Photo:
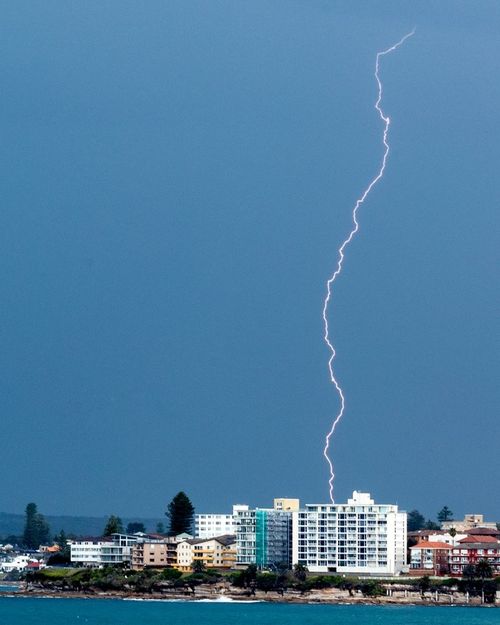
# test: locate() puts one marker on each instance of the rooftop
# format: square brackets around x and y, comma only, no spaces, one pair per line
[426,544]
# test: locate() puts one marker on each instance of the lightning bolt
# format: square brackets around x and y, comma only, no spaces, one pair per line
[329,285]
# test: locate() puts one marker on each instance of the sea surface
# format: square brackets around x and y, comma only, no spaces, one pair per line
[28,611]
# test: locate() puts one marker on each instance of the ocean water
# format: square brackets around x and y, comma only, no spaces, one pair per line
[27,611]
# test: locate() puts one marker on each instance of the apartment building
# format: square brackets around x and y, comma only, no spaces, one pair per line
[212,525]
[472,550]
[102,551]
[286,504]
[430,558]
[470,521]
[156,551]
[264,536]
[357,537]
[216,553]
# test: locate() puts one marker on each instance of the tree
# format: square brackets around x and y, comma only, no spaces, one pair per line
[371,588]
[113,526]
[36,528]
[62,540]
[445,514]
[63,556]
[42,530]
[170,574]
[198,566]
[160,528]
[424,584]
[430,525]
[476,579]
[300,572]
[484,570]
[29,535]
[134,527]
[416,521]
[180,513]
[245,578]
[266,581]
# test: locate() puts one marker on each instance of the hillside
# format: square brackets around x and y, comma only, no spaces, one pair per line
[79,525]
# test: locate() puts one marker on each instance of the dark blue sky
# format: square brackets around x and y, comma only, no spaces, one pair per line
[177,177]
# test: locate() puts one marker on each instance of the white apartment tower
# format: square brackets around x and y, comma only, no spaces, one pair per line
[359,537]
[213,525]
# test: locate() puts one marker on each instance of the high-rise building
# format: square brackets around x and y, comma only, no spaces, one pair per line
[264,536]
[284,503]
[357,537]
[212,525]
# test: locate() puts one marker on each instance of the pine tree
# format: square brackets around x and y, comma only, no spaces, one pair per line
[36,528]
[445,514]
[180,513]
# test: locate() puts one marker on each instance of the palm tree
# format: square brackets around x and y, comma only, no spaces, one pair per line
[484,570]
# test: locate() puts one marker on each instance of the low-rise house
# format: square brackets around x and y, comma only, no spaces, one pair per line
[21,563]
[430,558]
[49,549]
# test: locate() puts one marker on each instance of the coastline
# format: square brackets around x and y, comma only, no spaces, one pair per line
[206,593]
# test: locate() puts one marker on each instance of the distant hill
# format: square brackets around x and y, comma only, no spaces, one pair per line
[13,524]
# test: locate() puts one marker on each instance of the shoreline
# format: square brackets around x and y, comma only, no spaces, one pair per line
[291,597]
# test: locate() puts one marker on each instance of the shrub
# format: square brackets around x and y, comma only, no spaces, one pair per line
[266,581]
[371,588]
[170,575]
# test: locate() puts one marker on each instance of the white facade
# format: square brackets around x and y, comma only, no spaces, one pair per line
[89,551]
[212,525]
[184,555]
[19,563]
[360,537]
[97,552]
[446,537]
